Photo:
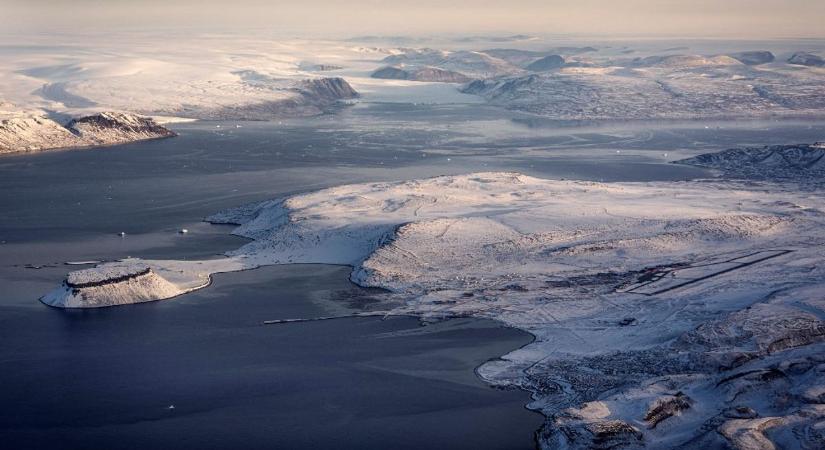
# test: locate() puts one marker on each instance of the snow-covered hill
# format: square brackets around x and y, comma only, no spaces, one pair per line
[117,283]
[32,132]
[429,74]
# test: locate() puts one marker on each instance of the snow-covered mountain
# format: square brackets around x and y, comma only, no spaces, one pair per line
[26,133]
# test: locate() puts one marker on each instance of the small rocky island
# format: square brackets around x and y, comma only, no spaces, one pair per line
[109,285]
[32,132]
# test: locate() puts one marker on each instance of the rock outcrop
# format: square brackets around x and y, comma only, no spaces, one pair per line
[327,89]
[109,128]
[666,407]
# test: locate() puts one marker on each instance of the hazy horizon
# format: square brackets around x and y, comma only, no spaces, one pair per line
[701,18]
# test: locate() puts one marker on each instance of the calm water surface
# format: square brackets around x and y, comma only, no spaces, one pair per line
[109,378]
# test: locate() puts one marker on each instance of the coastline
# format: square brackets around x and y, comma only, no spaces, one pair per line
[440,307]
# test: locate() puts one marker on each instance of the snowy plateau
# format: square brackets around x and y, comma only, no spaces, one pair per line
[665,314]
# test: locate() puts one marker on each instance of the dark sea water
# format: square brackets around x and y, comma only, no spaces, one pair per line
[107,378]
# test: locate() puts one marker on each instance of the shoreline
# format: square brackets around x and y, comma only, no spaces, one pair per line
[29,152]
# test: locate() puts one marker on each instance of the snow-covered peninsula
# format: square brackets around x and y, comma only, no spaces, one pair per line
[666,314]
[33,132]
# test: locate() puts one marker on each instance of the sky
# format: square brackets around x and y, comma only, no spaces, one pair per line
[670,18]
